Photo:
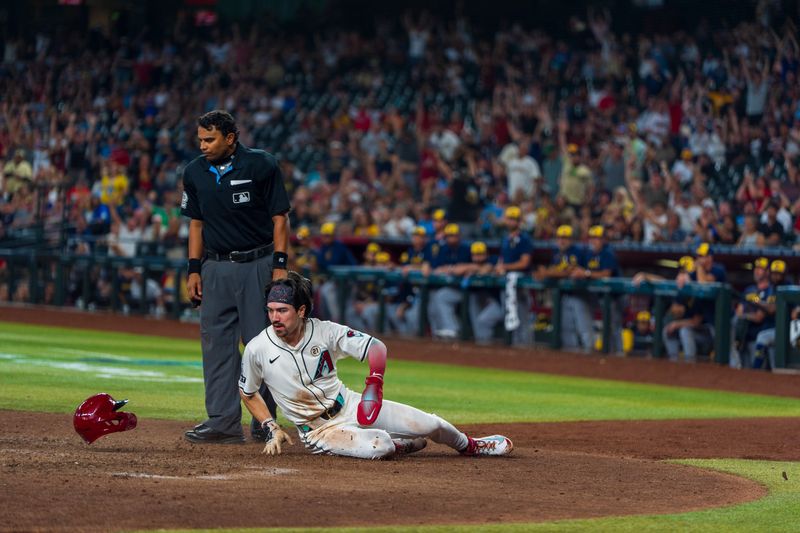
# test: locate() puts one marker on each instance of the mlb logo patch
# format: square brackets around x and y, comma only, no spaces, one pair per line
[241,197]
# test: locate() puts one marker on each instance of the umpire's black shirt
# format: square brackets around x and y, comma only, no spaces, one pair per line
[237,206]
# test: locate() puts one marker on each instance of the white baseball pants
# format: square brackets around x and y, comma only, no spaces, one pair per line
[342,435]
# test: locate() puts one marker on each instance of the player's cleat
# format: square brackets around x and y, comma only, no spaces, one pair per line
[407,446]
[494,445]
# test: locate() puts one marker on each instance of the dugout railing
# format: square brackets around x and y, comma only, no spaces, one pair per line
[47,275]
[59,279]
[604,290]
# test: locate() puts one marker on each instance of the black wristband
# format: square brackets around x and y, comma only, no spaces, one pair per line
[280,260]
[194,266]
[269,426]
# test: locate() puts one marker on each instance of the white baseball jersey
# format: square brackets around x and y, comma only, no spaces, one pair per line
[302,378]
[304,383]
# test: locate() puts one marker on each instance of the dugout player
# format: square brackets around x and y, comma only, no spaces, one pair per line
[601,263]
[692,327]
[332,252]
[405,305]
[516,255]
[238,241]
[485,311]
[752,316]
[576,325]
[296,356]
[765,340]
[444,301]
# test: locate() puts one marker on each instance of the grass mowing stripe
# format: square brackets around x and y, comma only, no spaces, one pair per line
[12,333]
[521,396]
[460,394]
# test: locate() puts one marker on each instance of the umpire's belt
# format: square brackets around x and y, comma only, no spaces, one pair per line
[241,257]
[332,411]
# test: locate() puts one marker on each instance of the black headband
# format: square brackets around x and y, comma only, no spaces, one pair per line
[281,293]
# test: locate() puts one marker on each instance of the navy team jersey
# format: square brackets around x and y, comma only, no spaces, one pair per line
[334,254]
[717,270]
[572,256]
[606,259]
[754,299]
[416,257]
[452,255]
[513,248]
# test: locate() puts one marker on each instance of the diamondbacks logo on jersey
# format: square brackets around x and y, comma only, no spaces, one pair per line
[325,365]
[351,334]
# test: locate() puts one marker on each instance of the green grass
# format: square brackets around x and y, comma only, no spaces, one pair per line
[777,512]
[53,369]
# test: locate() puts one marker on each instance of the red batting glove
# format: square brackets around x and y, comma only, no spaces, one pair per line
[371,400]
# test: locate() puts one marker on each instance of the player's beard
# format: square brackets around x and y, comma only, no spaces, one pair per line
[279,332]
[287,335]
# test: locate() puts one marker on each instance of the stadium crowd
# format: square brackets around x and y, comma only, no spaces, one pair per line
[428,124]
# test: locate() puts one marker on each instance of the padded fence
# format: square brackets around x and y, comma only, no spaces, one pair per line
[63,279]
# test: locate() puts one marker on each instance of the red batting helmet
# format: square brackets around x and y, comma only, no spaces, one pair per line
[98,416]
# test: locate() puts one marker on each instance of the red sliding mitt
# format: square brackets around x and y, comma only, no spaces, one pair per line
[371,400]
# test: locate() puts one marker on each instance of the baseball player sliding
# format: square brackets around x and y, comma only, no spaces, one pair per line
[296,357]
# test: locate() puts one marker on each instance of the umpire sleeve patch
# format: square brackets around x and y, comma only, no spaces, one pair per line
[184,200]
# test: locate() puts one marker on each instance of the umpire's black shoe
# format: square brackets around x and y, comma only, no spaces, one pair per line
[257,432]
[202,434]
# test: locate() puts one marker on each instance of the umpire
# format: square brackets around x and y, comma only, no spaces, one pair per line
[238,239]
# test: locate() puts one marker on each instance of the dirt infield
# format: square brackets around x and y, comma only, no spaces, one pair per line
[151,478]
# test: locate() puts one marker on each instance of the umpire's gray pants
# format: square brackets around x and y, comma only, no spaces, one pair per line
[577,329]
[232,309]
